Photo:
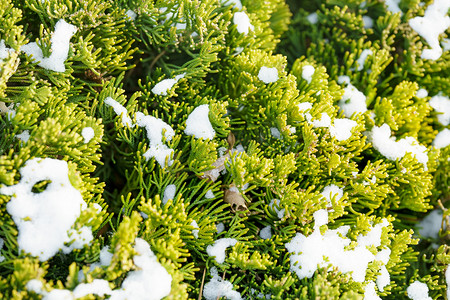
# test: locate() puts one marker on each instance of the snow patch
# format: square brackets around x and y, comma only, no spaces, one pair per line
[119,110]
[430,225]
[217,287]
[131,15]
[274,205]
[442,139]
[169,193]
[353,101]
[422,93]
[308,72]
[209,194]
[431,25]
[392,6]
[418,291]
[219,247]
[195,231]
[24,136]
[164,86]
[341,129]
[268,75]
[441,105]
[331,191]
[198,123]
[220,227]
[368,22]
[362,58]
[266,233]
[87,133]
[43,231]
[59,48]
[313,18]
[242,22]
[275,132]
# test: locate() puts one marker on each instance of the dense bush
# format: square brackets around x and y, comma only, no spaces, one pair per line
[187,149]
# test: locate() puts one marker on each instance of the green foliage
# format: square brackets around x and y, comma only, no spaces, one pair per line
[276,148]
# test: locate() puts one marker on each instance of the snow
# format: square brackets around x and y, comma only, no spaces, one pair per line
[242,22]
[131,14]
[119,110]
[441,105]
[220,227]
[331,191]
[4,52]
[2,243]
[156,128]
[59,48]
[383,279]
[274,205]
[150,281]
[268,75]
[219,247]
[24,136]
[217,287]
[324,121]
[391,149]
[392,6]
[313,18]
[370,293]
[275,132]
[198,123]
[44,219]
[304,106]
[445,44]
[362,58]
[431,25]
[430,225]
[341,128]
[266,233]
[98,287]
[308,72]
[169,193]
[35,285]
[87,133]
[58,294]
[162,87]
[209,194]
[343,79]
[307,253]
[368,22]
[353,101]
[195,231]
[442,139]
[418,291]
[422,93]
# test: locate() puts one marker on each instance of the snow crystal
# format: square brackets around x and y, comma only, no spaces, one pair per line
[313,18]
[418,291]
[198,123]
[242,22]
[59,48]
[353,101]
[308,72]
[24,136]
[307,253]
[362,58]
[155,129]
[219,247]
[430,225]
[266,233]
[431,25]
[98,287]
[368,22]
[441,105]
[43,231]
[87,133]
[169,193]
[220,227]
[131,14]
[217,287]
[442,139]
[119,110]
[274,205]
[422,93]
[4,52]
[341,128]
[268,75]
[195,231]
[162,87]
[331,191]
[209,194]
[392,6]
[392,149]
[275,132]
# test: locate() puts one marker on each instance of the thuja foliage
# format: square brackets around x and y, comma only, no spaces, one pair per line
[268,165]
